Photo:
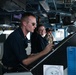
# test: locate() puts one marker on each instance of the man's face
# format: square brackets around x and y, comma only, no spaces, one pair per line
[31,24]
[42,31]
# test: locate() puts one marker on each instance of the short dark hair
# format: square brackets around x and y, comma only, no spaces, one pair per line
[27,14]
[48,29]
[38,26]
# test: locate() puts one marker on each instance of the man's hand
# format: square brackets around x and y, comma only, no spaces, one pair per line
[47,49]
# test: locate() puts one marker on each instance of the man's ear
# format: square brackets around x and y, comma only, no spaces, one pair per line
[24,23]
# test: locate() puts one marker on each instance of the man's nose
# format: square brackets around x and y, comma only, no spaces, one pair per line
[35,26]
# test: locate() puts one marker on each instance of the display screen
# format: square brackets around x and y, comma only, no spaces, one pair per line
[59,35]
[16,17]
[66,20]
[54,19]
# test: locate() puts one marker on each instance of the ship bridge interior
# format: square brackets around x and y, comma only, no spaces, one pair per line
[59,15]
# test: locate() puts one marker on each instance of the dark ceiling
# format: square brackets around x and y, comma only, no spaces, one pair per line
[39,7]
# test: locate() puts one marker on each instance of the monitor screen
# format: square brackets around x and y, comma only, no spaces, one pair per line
[54,19]
[16,17]
[67,20]
[58,35]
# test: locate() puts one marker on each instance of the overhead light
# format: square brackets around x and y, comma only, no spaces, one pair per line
[63,13]
[52,24]
[13,5]
[20,3]
[75,23]
[45,5]
[45,15]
